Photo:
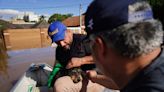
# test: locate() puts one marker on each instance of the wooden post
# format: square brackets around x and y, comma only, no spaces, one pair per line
[42,37]
[7,39]
[3,54]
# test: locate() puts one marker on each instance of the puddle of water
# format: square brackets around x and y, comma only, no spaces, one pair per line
[12,69]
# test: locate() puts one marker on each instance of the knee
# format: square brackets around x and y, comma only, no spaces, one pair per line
[62,84]
[65,84]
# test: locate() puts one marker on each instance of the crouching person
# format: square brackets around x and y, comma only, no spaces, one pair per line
[71,52]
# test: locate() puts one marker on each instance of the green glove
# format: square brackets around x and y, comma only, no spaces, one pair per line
[56,68]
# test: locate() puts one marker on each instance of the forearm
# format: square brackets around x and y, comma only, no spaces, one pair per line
[76,61]
[105,81]
[87,60]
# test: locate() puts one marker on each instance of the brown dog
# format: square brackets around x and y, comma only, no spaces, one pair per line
[76,74]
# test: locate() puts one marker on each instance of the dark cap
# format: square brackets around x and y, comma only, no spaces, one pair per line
[105,15]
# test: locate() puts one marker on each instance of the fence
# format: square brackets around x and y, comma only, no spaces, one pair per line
[16,39]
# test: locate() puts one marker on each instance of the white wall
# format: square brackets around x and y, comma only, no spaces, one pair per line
[33,17]
[76,30]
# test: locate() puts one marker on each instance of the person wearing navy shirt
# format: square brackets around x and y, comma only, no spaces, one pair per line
[149,79]
[126,44]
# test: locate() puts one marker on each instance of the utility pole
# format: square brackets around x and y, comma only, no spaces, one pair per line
[80,11]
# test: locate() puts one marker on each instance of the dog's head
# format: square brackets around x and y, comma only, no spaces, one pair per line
[75,74]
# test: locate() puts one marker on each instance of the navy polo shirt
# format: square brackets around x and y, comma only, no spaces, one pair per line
[151,79]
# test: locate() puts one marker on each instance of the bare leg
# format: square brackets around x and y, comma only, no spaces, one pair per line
[65,84]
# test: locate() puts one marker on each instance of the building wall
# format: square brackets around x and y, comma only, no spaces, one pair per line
[17,39]
[76,30]
[33,18]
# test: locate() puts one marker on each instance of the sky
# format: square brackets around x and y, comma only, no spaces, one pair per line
[9,8]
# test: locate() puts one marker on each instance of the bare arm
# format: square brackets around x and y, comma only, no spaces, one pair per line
[87,60]
[76,62]
[102,80]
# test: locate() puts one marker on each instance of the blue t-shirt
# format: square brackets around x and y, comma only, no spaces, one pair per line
[151,79]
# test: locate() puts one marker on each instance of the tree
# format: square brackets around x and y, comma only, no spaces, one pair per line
[156,2]
[59,17]
[42,18]
[3,26]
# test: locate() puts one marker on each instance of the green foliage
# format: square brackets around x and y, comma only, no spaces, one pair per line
[42,18]
[158,3]
[158,8]
[59,17]
[2,26]
[5,25]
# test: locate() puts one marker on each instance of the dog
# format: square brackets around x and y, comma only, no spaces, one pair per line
[76,74]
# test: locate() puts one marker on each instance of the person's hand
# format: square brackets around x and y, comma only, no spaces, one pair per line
[92,75]
[74,62]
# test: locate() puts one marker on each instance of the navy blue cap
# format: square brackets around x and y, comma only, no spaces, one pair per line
[105,15]
[56,31]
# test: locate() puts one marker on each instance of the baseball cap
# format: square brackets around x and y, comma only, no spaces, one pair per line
[103,15]
[56,31]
